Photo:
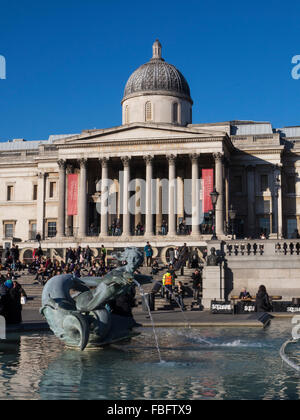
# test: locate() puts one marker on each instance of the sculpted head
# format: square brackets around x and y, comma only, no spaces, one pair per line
[133,256]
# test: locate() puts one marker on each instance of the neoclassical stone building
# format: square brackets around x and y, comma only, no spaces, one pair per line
[51,187]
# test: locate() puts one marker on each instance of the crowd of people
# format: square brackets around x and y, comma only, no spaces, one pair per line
[81,262]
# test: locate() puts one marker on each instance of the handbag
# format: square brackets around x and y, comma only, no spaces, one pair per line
[23,300]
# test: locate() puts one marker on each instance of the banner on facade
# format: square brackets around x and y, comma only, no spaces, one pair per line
[72,194]
[208,186]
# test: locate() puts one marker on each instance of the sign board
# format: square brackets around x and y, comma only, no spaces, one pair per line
[221,307]
[72,194]
[245,307]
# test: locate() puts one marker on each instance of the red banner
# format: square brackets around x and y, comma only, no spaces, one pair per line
[72,194]
[208,186]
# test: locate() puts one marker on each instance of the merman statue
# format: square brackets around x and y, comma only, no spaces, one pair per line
[84,319]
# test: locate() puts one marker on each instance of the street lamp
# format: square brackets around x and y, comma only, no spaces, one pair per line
[232,216]
[214,198]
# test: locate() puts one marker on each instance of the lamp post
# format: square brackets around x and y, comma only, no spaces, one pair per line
[232,216]
[214,198]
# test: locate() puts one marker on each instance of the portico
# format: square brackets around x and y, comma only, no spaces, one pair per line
[177,174]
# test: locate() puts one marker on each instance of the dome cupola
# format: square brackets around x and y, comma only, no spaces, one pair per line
[156,92]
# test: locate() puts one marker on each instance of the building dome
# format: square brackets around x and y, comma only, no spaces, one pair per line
[157,78]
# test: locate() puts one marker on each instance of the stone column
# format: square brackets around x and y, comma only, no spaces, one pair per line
[195,194]
[61,220]
[219,187]
[251,200]
[180,194]
[70,219]
[278,195]
[41,204]
[104,197]
[126,180]
[82,208]
[172,215]
[227,178]
[139,201]
[158,203]
[149,215]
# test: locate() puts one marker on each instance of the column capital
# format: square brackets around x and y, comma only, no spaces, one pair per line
[218,156]
[126,161]
[61,163]
[148,159]
[278,167]
[42,175]
[69,168]
[194,157]
[250,168]
[171,159]
[104,161]
[83,162]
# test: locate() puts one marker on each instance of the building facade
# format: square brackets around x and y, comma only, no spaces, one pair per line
[53,187]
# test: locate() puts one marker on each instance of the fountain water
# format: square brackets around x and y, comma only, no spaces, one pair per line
[178,303]
[151,318]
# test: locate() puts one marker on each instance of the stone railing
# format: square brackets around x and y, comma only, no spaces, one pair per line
[240,248]
[267,247]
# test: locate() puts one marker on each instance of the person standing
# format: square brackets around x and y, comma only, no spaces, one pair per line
[197,283]
[88,256]
[181,292]
[263,303]
[149,253]
[168,284]
[103,254]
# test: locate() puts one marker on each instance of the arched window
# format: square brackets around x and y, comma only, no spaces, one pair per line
[175,113]
[126,116]
[148,111]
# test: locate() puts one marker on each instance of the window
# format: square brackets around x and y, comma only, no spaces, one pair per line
[175,113]
[51,229]
[237,184]
[52,189]
[264,182]
[32,230]
[292,228]
[9,230]
[148,111]
[291,184]
[34,192]
[10,192]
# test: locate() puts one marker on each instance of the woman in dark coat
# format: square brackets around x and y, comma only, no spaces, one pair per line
[14,315]
[3,300]
[263,303]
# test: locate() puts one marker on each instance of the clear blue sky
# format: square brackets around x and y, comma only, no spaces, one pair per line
[68,61]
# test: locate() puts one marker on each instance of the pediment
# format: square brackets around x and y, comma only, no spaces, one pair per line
[138,131]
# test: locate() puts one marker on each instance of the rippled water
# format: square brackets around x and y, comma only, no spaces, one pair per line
[229,364]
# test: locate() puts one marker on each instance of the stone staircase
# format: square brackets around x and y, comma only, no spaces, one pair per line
[160,303]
